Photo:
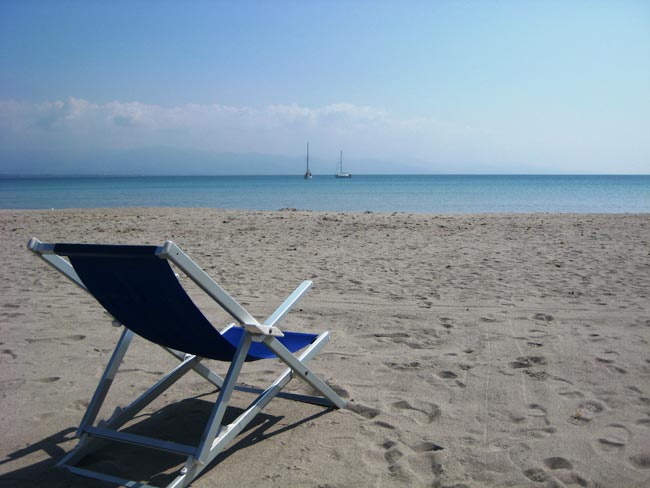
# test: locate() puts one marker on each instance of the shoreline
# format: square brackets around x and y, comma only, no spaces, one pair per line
[516,342]
[308,211]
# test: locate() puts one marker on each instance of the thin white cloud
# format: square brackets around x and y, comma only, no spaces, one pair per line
[275,128]
[361,131]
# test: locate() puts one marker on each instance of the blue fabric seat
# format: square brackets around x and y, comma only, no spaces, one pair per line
[141,291]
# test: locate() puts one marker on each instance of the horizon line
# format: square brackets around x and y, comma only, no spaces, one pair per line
[298,175]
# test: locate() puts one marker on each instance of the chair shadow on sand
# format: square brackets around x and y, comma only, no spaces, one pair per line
[182,421]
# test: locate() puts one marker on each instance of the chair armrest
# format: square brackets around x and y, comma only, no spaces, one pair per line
[288,304]
[46,253]
[263,330]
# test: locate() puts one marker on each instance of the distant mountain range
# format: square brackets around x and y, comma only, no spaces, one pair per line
[166,161]
[175,161]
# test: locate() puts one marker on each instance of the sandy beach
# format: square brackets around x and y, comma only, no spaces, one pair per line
[473,350]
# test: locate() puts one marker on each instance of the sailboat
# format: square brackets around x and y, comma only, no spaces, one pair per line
[339,169]
[308,173]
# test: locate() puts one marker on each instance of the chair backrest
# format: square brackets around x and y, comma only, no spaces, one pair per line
[141,291]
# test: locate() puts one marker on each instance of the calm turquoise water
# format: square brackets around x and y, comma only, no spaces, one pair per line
[424,194]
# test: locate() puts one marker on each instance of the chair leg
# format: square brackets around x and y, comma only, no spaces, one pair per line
[200,369]
[208,446]
[88,443]
[106,380]
[215,422]
[193,467]
[209,375]
[302,370]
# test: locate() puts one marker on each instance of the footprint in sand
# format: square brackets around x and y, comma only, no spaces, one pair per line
[76,337]
[78,405]
[528,361]
[536,410]
[403,366]
[363,410]
[43,416]
[569,393]
[340,391]
[586,412]
[447,375]
[450,375]
[406,461]
[9,385]
[607,357]
[489,318]
[640,461]
[423,344]
[643,422]
[446,322]
[391,335]
[49,379]
[538,433]
[426,446]
[643,322]
[538,335]
[392,452]
[539,420]
[9,352]
[12,315]
[616,369]
[557,463]
[536,474]
[542,317]
[536,375]
[613,438]
[384,425]
[422,412]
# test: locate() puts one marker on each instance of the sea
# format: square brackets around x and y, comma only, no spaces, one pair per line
[440,194]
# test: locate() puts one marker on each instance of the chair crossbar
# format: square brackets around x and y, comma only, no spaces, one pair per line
[88,473]
[229,432]
[151,394]
[140,440]
[301,369]
[205,372]
[288,304]
[267,395]
[314,400]
[200,369]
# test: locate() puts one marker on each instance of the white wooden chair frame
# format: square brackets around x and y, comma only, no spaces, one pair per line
[216,436]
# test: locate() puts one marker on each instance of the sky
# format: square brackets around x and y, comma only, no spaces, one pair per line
[420,86]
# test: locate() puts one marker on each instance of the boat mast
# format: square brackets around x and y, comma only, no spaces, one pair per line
[307,173]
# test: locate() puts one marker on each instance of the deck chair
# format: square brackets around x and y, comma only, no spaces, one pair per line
[139,288]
